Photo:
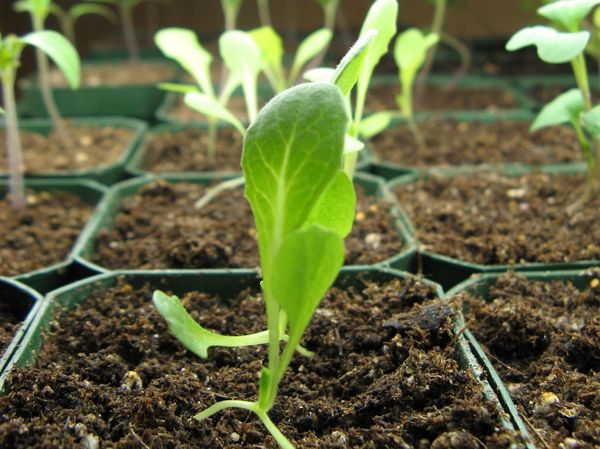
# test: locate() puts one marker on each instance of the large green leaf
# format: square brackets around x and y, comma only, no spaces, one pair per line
[210,107]
[563,109]
[183,46]
[336,207]
[310,47]
[568,13]
[59,50]
[348,70]
[553,46]
[305,266]
[291,154]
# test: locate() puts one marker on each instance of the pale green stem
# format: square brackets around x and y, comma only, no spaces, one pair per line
[283,442]
[351,159]
[465,57]
[68,27]
[215,191]
[212,138]
[263,12]
[274,355]
[329,12]
[436,27]
[230,15]
[13,141]
[129,33]
[48,97]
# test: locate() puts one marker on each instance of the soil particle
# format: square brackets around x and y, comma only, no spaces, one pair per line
[91,147]
[159,227]
[125,73]
[440,98]
[185,151]
[42,233]
[545,341]
[9,322]
[450,142]
[367,387]
[488,218]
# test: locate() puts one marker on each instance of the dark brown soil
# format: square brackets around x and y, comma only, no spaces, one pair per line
[180,112]
[160,228]
[41,234]
[8,324]
[545,341]
[491,219]
[185,151]
[123,74]
[440,98]
[450,142]
[91,147]
[385,376]
[544,94]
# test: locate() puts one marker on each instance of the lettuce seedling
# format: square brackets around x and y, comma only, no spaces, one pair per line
[39,11]
[242,58]
[67,18]
[64,55]
[330,8]
[271,54]
[560,42]
[303,205]
[231,10]
[264,12]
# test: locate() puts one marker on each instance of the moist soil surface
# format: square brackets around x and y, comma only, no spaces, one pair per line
[184,151]
[488,218]
[542,95]
[544,339]
[159,227]
[42,233]
[440,98]
[124,73]
[89,147]
[384,376]
[451,142]
[9,322]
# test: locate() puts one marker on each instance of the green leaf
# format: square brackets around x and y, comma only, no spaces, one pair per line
[308,49]
[243,59]
[37,8]
[178,88]
[193,336]
[568,13]
[319,74]
[304,268]
[352,145]
[591,121]
[59,50]
[83,9]
[411,49]
[374,124]
[270,45]
[335,208]
[291,154]
[563,109]
[212,108]
[382,16]
[183,46]
[348,70]
[553,46]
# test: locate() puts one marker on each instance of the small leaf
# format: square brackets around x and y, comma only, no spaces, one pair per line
[568,13]
[553,46]
[304,268]
[183,46]
[591,121]
[270,45]
[212,108]
[411,49]
[319,74]
[374,124]
[335,208]
[60,50]
[83,9]
[352,145]
[179,88]
[349,69]
[563,109]
[308,49]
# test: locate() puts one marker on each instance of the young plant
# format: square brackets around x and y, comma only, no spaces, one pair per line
[271,54]
[264,12]
[330,8]
[231,10]
[39,11]
[410,52]
[242,59]
[64,55]
[565,41]
[69,17]
[303,204]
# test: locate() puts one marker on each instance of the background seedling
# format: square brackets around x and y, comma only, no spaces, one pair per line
[292,165]
[64,55]
[563,42]
[264,13]
[231,10]
[67,18]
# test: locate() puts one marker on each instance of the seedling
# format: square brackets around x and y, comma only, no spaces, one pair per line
[64,55]
[231,10]
[264,12]
[564,41]
[271,54]
[125,9]
[303,204]
[39,11]
[69,17]
[242,58]
[330,8]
